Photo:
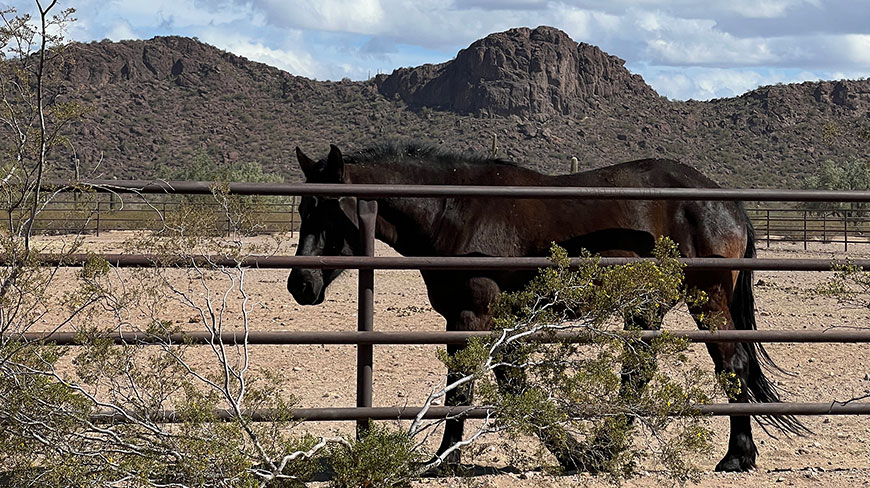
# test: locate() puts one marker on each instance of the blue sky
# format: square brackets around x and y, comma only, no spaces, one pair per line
[685,49]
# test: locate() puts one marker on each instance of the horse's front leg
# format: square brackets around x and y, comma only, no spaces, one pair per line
[470,299]
[462,395]
[454,427]
[511,380]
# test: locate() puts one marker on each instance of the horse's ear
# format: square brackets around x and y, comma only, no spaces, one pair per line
[308,165]
[348,207]
[334,165]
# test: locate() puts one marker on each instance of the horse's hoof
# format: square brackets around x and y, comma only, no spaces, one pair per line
[736,464]
[570,465]
[446,468]
[595,459]
[592,462]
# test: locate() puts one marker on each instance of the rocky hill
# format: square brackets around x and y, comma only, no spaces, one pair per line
[520,72]
[159,103]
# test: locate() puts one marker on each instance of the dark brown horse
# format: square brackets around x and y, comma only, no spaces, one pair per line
[527,227]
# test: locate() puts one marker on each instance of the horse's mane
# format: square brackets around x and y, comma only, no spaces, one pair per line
[415,153]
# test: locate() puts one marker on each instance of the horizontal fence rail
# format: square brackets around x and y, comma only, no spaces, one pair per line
[411,413]
[116,213]
[842,335]
[433,262]
[540,192]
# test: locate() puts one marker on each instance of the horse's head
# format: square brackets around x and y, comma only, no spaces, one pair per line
[329,228]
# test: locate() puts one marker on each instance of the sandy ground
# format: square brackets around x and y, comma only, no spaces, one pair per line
[836,454]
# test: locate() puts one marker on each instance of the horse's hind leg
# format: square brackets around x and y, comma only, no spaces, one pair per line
[568,451]
[564,447]
[637,372]
[732,360]
[636,376]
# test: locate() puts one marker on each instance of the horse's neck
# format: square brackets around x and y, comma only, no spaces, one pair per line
[408,225]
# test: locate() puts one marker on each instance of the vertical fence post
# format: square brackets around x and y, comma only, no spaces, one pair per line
[367,212]
[98,218]
[805,230]
[845,232]
[768,228]
[824,227]
[293,207]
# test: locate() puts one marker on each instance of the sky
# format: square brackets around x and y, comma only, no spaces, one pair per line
[699,49]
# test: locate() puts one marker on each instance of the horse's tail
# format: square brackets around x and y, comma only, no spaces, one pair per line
[743,313]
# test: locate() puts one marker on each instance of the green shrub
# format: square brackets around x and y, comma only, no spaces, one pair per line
[382,458]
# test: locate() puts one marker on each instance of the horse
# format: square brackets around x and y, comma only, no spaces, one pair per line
[527,227]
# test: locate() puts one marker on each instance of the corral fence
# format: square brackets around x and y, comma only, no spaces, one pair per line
[107,211]
[793,224]
[366,338]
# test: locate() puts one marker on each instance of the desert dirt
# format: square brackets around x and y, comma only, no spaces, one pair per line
[837,453]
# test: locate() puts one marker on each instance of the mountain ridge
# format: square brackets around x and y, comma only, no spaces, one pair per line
[158,103]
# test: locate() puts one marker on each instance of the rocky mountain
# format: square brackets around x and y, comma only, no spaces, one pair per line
[520,72]
[159,103]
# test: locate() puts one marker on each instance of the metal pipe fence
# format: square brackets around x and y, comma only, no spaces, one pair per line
[420,191]
[845,227]
[143,205]
[364,414]
[110,212]
[430,262]
[366,337]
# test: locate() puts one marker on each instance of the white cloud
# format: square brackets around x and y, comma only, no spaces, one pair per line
[704,83]
[500,4]
[857,48]
[651,22]
[296,61]
[176,13]
[677,41]
[120,31]
[709,83]
[760,8]
[728,52]
[358,16]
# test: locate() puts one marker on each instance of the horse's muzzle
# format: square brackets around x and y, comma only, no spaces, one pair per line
[305,286]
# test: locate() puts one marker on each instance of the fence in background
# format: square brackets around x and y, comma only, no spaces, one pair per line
[781,223]
[110,211]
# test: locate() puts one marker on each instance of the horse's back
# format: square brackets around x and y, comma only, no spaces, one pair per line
[645,173]
[524,227]
[700,227]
